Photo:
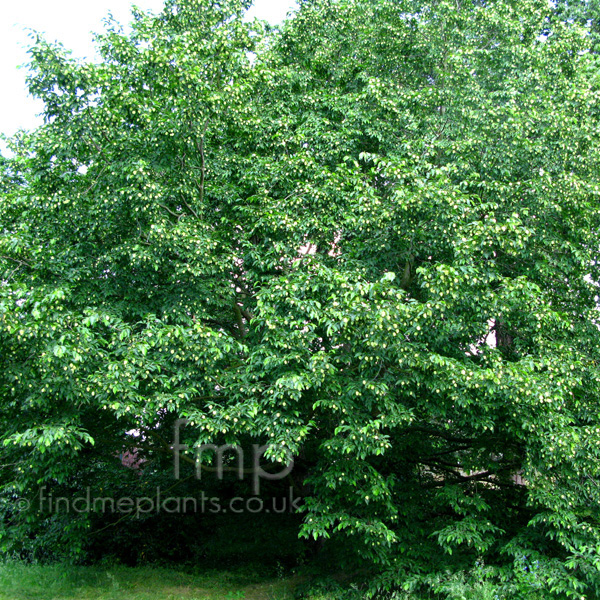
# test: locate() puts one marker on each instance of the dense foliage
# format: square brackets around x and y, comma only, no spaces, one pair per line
[585,13]
[368,238]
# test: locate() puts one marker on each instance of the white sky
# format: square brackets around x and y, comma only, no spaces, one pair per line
[72,23]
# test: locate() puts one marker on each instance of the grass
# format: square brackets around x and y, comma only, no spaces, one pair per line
[34,582]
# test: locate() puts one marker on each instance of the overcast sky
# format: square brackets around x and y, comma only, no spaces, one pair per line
[71,22]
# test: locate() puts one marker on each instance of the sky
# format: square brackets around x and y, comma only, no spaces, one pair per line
[71,22]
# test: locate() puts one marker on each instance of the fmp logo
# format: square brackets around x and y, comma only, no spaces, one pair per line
[257,472]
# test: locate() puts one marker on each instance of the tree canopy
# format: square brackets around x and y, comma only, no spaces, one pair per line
[368,238]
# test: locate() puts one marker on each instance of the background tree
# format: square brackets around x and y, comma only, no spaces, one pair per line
[370,238]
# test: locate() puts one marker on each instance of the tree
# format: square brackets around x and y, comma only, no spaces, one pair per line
[369,238]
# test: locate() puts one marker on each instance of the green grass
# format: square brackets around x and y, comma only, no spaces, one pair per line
[33,582]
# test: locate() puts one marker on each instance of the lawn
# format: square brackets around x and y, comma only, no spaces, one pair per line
[34,582]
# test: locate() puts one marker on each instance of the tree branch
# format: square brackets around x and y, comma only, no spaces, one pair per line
[240,320]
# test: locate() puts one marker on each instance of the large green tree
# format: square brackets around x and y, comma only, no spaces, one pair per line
[368,238]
